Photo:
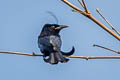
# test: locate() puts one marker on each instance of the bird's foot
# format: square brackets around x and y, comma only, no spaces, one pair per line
[45,58]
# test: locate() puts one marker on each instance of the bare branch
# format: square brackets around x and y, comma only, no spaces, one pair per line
[106,48]
[107,21]
[95,57]
[81,3]
[75,8]
[81,57]
[85,7]
[92,18]
[20,53]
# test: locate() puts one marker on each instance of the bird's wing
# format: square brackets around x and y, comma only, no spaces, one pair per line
[49,42]
[44,43]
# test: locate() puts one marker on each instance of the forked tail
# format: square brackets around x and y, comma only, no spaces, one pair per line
[69,53]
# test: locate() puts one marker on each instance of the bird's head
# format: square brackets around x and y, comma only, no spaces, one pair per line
[53,28]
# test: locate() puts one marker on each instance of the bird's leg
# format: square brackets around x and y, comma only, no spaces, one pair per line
[54,46]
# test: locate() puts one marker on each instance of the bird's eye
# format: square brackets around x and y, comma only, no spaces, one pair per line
[53,26]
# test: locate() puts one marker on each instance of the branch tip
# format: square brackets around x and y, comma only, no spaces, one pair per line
[73,10]
[107,21]
[107,48]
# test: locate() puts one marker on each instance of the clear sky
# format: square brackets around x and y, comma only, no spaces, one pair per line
[21,22]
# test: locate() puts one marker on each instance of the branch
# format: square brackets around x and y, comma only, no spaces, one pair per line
[85,7]
[81,57]
[107,21]
[88,15]
[95,57]
[20,53]
[81,3]
[75,8]
[106,48]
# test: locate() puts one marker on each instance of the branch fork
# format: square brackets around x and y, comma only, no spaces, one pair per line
[88,15]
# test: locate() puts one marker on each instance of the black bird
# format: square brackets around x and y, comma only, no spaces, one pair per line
[49,42]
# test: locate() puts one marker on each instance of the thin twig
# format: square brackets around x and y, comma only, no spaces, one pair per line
[85,7]
[106,48]
[75,8]
[95,57]
[92,18]
[107,21]
[20,53]
[81,3]
[81,57]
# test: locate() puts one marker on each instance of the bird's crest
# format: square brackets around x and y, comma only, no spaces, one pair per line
[53,15]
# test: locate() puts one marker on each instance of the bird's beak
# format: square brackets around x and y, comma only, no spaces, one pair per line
[61,27]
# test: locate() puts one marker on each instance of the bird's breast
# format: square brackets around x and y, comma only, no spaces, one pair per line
[56,40]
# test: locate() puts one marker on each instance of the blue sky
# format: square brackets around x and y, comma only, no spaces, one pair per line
[21,22]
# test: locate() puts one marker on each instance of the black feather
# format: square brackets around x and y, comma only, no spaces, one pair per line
[49,42]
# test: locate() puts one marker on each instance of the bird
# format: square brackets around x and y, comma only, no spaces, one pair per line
[49,42]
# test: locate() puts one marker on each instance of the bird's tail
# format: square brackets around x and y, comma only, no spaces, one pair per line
[69,53]
[56,57]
